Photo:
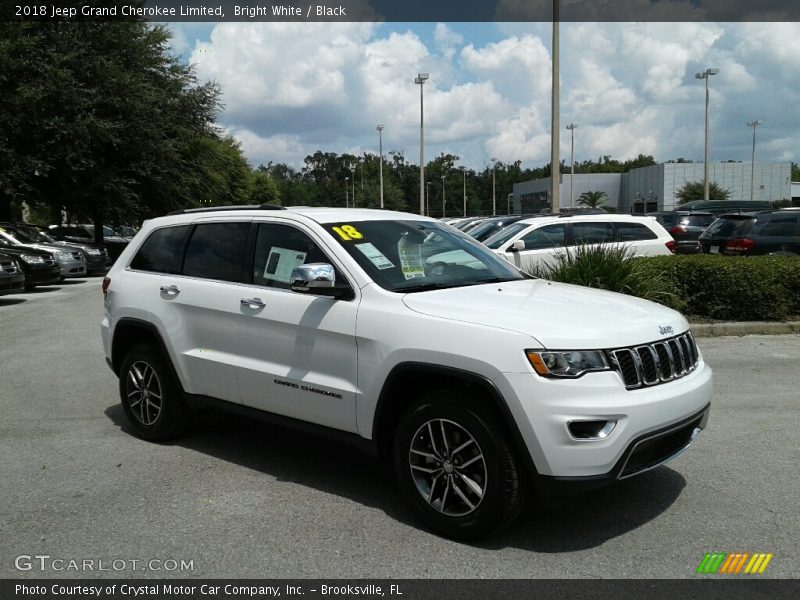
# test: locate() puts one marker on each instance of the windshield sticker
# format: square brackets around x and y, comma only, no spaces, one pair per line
[375,256]
[280,263]
[410,259]
[348,232]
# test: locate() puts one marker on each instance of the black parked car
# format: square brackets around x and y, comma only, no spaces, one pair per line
[765,232]
[84,234]
[685,227]
[12,279]
[96,257]
[40,267]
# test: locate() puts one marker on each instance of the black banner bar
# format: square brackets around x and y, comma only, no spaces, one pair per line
[401,10]
[705,588]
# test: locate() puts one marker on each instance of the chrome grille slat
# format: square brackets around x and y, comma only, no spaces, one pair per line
[657,362]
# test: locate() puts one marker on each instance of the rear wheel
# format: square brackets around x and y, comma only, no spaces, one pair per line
[150,395]
[456,467]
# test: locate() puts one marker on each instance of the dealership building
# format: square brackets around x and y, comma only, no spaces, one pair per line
[647,189]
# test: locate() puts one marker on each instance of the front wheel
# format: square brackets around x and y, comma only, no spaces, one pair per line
[150,395]
[456,466]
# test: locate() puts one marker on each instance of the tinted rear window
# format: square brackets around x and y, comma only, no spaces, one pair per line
[215,251]
[776,226]
[629,232]
[728,227]
[162,250]
[697,220]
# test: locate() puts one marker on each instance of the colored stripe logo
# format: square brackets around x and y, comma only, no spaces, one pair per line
[734,563]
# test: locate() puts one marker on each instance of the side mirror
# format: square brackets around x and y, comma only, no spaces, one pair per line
[517,246]
[318,278]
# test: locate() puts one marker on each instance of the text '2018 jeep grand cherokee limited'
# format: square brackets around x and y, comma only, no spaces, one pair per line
[403,334]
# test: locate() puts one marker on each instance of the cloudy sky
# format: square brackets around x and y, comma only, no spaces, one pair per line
[293,88]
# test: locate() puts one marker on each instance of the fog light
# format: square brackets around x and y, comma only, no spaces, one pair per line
[591,430]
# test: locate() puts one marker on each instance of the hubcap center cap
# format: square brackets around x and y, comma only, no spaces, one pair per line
[448,467]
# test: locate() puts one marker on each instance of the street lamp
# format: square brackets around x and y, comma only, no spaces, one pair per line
[420,80]
[572,127]
[346,190]
[464,173]
[555,137]
[379,128]
[753,124]
[353,171]
[705,75]
[443,200]
[428,204]
[494,201]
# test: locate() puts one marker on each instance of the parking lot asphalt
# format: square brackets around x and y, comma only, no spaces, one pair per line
[244,499]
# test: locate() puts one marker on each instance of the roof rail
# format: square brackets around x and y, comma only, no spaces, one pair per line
[184,211]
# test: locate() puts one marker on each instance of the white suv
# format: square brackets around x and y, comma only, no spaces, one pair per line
[406,336]
[537,241]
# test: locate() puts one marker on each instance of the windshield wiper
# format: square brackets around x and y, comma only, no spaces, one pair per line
[426,287]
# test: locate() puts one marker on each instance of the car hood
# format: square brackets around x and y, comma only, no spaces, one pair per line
[558,315]
[23,249]
[53,248]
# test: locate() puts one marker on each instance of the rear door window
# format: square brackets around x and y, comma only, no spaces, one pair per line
[162,250]
[215,251]
[728,227]
[631,232]
[776,226]
[592,232]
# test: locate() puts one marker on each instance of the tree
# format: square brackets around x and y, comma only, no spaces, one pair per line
[593,199]
[693,190]
[263,189]
[102,120]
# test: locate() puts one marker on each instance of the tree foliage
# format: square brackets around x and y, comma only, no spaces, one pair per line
[694,190]
[100,119]
[593,199]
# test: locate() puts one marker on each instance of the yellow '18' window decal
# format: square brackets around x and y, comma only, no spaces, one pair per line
[348,232]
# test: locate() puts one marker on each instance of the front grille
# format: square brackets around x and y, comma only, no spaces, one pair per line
[8,266]
[653,451]
[77,255]
[655,363]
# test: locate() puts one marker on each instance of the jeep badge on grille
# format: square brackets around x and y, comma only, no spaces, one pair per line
[665,330]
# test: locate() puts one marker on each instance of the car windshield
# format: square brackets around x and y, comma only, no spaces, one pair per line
[501,237]
[13,236]
[415,256]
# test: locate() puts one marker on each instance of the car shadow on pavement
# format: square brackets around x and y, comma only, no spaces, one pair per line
[73,281]
[44,289]
[11,301]
[578,523]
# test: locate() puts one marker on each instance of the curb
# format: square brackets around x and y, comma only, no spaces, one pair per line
[744,328]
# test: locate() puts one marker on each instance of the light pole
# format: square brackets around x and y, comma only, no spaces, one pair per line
[494,200]
[753,124]
[346,191]
[428,202]
[555,134]
[353,171]
[420,80]
[443,199]
[380,151]
[464,173]
[572,128]
[705,75]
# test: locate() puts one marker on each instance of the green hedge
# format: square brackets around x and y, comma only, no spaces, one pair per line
[730,288]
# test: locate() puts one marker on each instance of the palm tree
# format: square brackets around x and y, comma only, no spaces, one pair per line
[593,199]
[693,190]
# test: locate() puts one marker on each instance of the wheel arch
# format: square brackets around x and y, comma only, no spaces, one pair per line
[128,333]
[408,380]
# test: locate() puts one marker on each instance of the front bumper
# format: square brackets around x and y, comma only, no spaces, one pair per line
[72,267]
[12,284]
[95,263]
[47,275]
[644,453]
[544,409]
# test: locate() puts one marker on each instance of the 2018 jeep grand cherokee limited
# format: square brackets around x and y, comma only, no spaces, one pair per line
[397,331]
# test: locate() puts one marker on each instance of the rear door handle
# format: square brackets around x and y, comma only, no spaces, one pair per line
[170,289]
[253,302]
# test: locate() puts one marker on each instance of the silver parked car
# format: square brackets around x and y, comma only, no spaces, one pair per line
[70,260]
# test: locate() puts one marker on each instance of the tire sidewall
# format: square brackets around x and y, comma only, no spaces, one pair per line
[172,408]
[481,425]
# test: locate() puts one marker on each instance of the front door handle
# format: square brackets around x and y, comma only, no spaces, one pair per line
[253,302]
[172,290]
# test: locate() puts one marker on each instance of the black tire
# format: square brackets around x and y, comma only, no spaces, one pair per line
[501,478]
[145,370]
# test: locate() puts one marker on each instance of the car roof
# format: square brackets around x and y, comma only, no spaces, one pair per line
[547,219]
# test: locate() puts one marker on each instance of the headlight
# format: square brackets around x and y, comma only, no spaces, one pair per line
[32,259]
[567,363]
[63,255]
[93,251]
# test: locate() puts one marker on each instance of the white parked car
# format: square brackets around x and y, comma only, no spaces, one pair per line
[535,242]
[405,336]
